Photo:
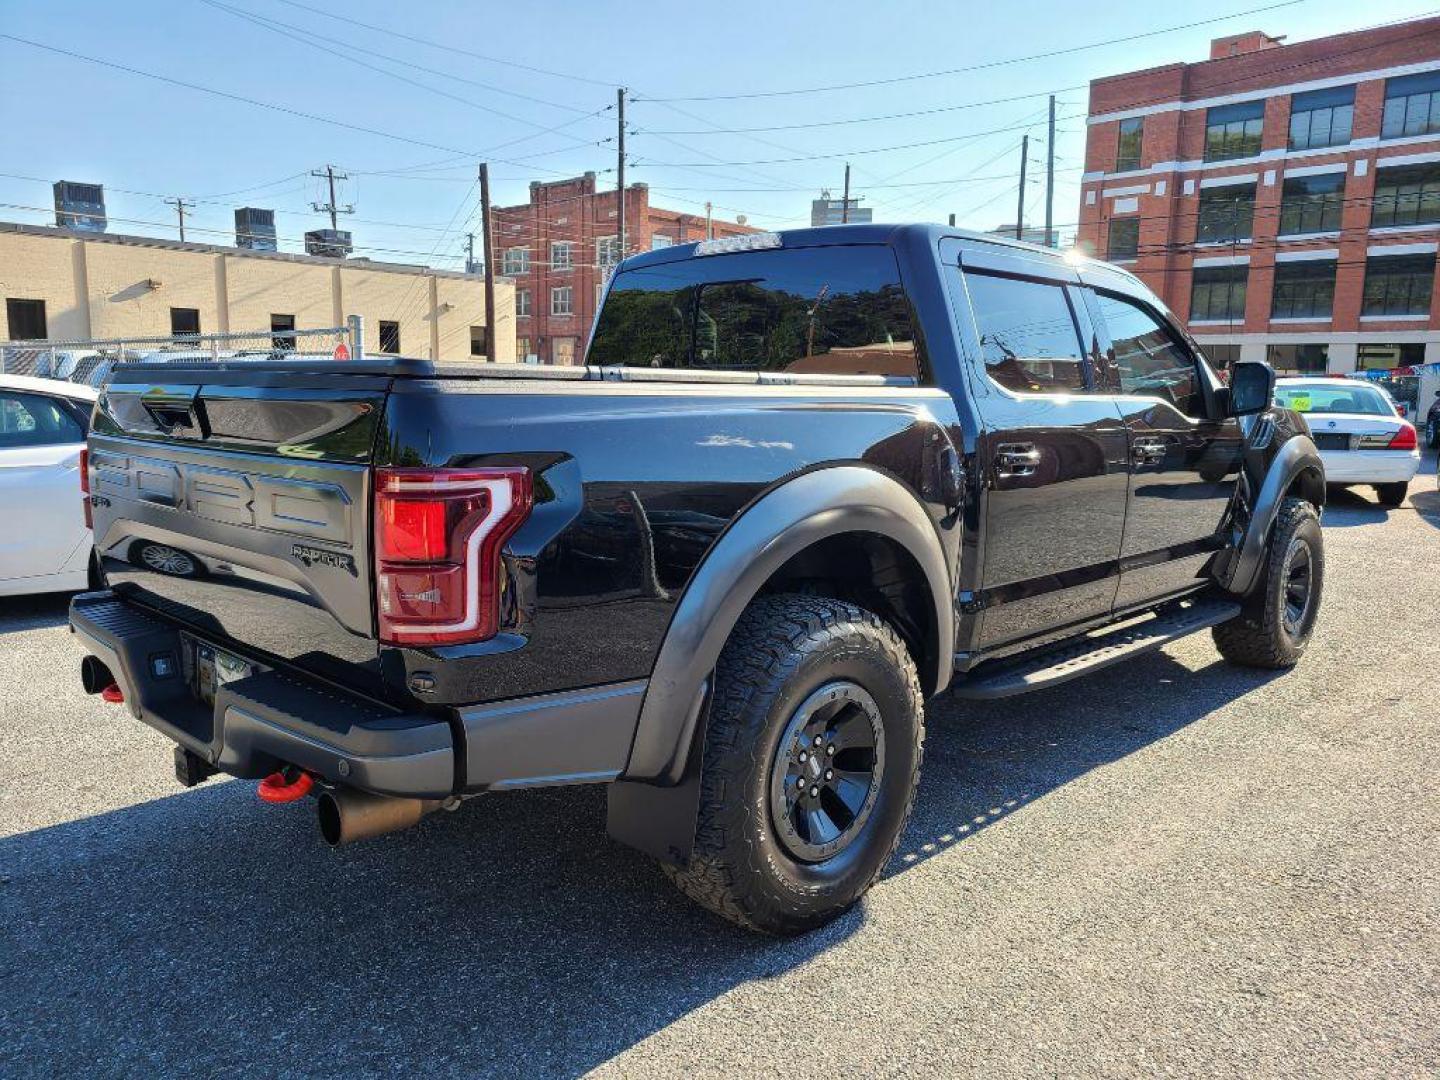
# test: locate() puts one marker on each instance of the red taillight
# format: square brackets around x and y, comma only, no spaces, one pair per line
[1404,438]
[85,485]
[438,537]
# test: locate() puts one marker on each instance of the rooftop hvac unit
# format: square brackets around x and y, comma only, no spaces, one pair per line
[80,206]
[332,243]
[255,229]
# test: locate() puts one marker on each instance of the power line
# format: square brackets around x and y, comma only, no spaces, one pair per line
[976,67]
[862,119]
[225,94]
[291,31]
[389,32]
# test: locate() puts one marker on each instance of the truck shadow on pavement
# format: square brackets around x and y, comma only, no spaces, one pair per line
[206,931]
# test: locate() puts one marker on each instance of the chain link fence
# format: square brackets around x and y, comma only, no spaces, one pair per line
[91,361]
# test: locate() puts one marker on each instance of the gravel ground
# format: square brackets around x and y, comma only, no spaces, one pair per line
[1171,866]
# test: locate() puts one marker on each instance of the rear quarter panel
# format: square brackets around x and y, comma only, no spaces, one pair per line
[634,484]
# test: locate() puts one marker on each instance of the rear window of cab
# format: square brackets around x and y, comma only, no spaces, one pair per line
[1340,397]
[822,311]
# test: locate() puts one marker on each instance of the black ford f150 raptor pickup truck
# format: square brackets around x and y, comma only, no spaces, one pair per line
[803,482]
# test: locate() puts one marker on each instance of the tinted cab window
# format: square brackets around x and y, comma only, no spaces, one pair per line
[1148,360]
[1028,336]
[824,310]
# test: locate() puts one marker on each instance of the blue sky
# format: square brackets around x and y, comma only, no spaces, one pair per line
[531,87]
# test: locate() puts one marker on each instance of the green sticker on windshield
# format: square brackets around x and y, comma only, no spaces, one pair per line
[1300,402]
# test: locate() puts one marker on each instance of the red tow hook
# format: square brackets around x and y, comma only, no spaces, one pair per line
[278,788]
[113,694]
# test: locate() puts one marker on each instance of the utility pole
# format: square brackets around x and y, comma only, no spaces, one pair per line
[1050,179]
[469,252]
[620,166]
[181,205]
[845,202]
[709,225]
[332,207]
[1020,210]
[489,262]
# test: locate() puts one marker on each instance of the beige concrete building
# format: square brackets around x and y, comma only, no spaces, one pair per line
[63,285]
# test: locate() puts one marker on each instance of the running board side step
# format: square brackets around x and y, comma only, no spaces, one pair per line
[1083,655]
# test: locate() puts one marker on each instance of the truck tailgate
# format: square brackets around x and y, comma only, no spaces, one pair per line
[238,504]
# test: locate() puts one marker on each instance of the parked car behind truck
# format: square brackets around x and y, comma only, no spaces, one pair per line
[804,482]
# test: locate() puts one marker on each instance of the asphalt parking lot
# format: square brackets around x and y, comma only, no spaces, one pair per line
[1174,865]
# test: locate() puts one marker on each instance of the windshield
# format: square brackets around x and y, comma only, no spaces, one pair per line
[1339,397]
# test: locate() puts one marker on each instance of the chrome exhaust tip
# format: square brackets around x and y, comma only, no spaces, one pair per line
[347,815]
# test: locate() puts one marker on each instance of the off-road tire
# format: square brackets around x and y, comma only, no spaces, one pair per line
[1432,434]
[1257,637]
[783,649]
[1391,495]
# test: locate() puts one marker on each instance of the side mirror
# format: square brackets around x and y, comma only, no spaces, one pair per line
[1252,388]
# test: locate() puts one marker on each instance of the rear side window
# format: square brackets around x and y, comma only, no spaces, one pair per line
[820,311]
[35,420]
[1150,362]
[1028,337]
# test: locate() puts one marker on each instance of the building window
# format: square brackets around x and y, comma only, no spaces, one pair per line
[659,241]
[1123,242]
[1227,214]
[1407,195]
[1311,204]
[562,255]
[1387,357]
[1398,284]
[185,322]
[561,302]
[522,302]
[607,251]
[1304,290]
[1218,293]
[26,319]
[522,349]
[1412,106]
[479,346]
[516,260]
[1301,359]
[1233,131]
[1127,147]
[599,294]
[1321,118]
[389,337]
[279,339]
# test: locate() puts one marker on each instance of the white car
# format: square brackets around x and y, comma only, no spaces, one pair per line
[44,542]
[1358,431]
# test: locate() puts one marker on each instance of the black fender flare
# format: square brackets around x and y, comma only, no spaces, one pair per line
[798,513]
[1296,455]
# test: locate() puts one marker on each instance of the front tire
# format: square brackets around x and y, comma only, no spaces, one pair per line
[1432,434]
[1277,619]
[812,755]
[1391,495]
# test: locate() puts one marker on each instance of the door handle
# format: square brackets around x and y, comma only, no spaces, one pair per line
[1016,459]
[1147,451]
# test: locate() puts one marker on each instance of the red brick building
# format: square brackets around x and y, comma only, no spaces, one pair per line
[1284,199]
[561,246]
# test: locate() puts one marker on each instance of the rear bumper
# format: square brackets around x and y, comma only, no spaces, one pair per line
[268,719]
[1370,466]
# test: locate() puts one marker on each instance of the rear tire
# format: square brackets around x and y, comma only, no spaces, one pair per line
[804,684]
[1392,495]
[1278,617]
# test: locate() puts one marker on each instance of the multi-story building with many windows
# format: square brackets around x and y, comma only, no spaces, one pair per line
[1283,199]
[561,246]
